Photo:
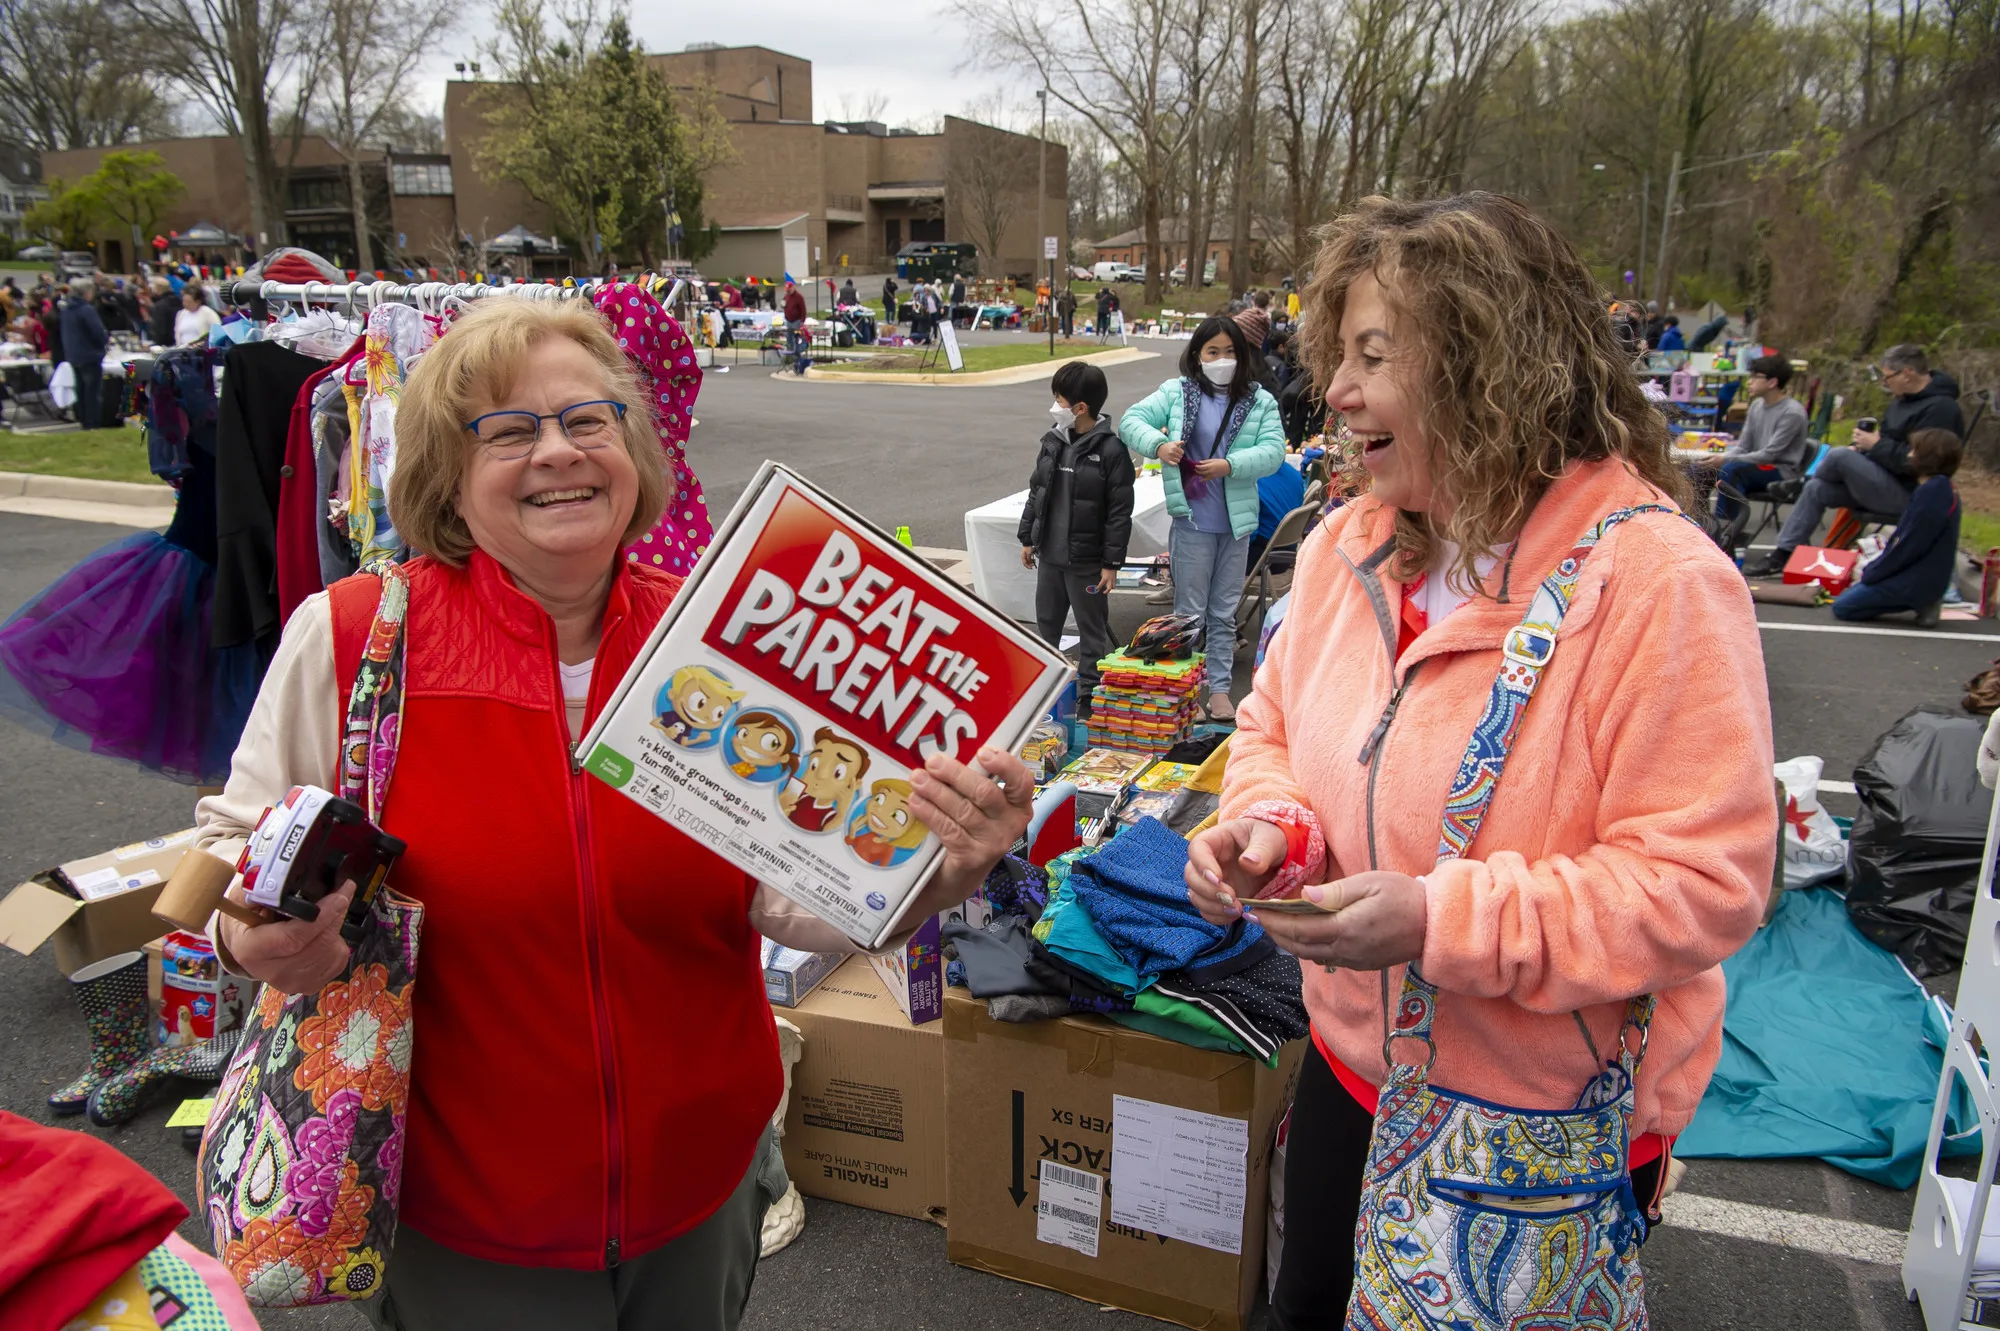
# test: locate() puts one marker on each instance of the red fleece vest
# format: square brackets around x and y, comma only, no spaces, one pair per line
[595,1060]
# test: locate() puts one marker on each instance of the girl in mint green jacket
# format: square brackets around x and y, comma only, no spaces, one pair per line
[1215,432]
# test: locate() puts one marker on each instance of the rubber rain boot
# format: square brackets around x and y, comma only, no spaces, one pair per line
[124,1095]
[112,995]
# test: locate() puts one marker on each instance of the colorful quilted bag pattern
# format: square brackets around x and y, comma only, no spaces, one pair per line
[1476,1216]
[302,1157]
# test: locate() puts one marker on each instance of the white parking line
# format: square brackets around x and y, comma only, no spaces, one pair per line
[1837,788]
[1788,1229]
[1879,633]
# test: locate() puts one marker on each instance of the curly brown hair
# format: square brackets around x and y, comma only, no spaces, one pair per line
[1516,366]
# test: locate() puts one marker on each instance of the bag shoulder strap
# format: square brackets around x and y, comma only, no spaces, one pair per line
[373,728]
[1525,654]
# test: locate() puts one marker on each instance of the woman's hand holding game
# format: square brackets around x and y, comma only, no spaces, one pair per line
[976,815]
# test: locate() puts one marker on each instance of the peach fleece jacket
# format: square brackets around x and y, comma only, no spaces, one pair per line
[1630,844]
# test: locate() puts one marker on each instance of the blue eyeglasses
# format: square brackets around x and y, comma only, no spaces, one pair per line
[511,435]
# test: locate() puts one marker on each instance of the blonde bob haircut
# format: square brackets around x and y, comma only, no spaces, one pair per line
[474,365]
[1506,340]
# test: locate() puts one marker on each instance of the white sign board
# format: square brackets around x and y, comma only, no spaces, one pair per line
[1051,246]
[952,355]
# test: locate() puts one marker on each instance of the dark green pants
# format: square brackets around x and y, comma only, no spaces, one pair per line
[698,1282]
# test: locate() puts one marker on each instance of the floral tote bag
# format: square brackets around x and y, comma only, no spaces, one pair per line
[303,1152]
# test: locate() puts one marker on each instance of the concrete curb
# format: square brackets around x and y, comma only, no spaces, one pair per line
[1013,374]
[125,494]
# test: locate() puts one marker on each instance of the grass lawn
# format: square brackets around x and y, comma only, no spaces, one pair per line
[976,358]
[103,455]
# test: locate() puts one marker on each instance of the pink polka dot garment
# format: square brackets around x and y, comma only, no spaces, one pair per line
[664,359]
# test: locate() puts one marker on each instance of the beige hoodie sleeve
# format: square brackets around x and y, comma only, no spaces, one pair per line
[293,738]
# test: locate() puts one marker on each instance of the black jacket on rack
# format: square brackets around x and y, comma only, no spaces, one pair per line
[260,382]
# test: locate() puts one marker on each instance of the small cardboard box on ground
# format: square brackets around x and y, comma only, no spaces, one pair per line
[866,1121]
[914,973]
[95,907]
[1109,1164]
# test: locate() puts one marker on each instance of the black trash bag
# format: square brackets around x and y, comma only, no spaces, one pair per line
[1913,858]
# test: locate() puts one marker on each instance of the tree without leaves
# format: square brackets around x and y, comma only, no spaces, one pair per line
[67,79]
[987,186]
[371,49]
[252,66]
[1109,62]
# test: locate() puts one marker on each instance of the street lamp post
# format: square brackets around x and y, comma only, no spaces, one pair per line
[1041,213]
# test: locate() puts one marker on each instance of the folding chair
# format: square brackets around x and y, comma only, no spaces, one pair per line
[1290,531]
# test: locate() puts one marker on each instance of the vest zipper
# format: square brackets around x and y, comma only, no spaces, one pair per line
[593,950]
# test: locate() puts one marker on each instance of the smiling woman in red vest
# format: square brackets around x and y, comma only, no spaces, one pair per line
[596,1063]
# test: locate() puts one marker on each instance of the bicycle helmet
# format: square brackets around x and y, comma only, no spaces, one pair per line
[1166,638]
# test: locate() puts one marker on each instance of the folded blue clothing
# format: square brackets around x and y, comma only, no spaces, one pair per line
[1136,893]
[1072,936]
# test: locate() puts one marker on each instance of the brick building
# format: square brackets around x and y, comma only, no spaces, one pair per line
[799,195]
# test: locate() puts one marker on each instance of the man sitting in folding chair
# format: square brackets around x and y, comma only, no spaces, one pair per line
[1772,448]
[1872,475]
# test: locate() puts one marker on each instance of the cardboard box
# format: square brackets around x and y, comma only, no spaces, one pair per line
[789,975]
[866,1120]
[914,974]
[1040,1192]
[95,907]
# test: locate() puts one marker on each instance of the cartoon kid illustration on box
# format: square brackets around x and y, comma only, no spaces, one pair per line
[832,774]
[883,831]
[763,747]
[693,707]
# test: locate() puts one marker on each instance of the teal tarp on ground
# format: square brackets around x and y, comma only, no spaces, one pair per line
[1829,1049]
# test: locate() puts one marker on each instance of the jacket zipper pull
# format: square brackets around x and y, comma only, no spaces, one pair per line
[575,766]
[1382,726]
[610,1253]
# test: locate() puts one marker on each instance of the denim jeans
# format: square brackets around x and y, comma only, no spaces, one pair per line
[1746,478]
[1846,479]
[1862,602]
[1208,583]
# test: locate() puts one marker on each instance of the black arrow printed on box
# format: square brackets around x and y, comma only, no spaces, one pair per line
[1018,1190]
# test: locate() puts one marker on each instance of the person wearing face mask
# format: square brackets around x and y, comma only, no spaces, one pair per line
[1472,748]
[1216,432]
[1078,519]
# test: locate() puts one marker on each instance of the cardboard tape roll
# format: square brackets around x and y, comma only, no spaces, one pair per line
[196,891]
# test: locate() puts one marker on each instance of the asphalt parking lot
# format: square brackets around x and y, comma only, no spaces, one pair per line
[921,457]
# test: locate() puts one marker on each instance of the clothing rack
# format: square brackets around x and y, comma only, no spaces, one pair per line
[257,295]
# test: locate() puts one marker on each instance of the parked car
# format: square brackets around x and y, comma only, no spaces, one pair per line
[76,263]
[1108,271]
[37,254]
[1077,273]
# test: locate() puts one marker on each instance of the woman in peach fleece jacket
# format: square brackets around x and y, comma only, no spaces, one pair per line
[1629,845]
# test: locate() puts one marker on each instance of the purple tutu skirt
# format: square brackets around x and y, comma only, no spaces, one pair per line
[113,658]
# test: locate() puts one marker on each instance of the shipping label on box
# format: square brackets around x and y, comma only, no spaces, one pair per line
[866,1121]
[807,666]
[1111,1164]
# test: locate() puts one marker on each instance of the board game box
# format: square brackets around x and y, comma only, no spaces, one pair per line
[809,663]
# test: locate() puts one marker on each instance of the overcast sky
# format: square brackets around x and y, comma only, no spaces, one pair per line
[913,52]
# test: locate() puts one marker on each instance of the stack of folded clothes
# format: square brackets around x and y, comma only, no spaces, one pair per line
[1119,937]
